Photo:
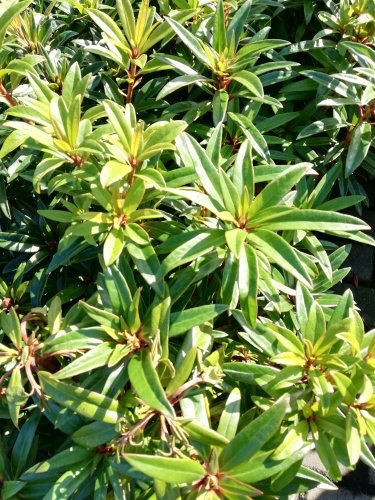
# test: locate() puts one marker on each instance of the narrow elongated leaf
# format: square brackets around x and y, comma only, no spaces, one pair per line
[253,135]
[192,249]
[252,437]
[16,395]
[107,25]
[206,171]
[95,358]
[126,13]
[235,240]
[275,191]
[146,383]
[193,43]
[248,283]
[68,482]
[281,253]
[87,403]
[179,82]
[358,148]
[250,81]
[204,435]
[147,263]
[230,417]
[182,321]
[219,40]
[183,371]
[330,82]
[184,470]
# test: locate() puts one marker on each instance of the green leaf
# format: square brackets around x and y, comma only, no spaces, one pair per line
[281,253]
[330,82]
[183,372]
[204,435]
[252,437]
[9,489]
[179,82]
[11,326]
[146,383]
[184,470]
[57,215]
[243,171]
[250,81]
[359,146]
[253,135]
[22,448]
[147,263]
[134,196]
[193,43]
[219,107]
[11,10]
[108,25]
[248,283]
[68,482]
[136,234]
[327,456]
[113,171]
[101,316]
[93,435]
[230,417]
[197,246]
[353,438]
[161,132]
[207,173]
[87,403]
[121,122]
[275,191]
[95,358]
[182,321]
[219,41]
[126,13]
[61,460]
[113,245]
[15,394]
[235,240]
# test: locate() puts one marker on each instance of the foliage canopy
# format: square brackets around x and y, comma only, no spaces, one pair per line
[174,187]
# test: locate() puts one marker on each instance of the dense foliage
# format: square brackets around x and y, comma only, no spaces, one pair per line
[174,187]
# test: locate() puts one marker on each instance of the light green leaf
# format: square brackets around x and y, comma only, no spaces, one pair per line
[182,321]
[275,191]
[113,171]
[113,245]
[207,172]
[230,417]
[281,253]
[179,82]
[252,437]
[253,135]
[248,283]
[146,383]
[16,396]
[184,470]
[87,403]
[359,146]
[193,43]
[250,81]
[219,40]
[197,246]
[183,372]
[94,358]
[235,240]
